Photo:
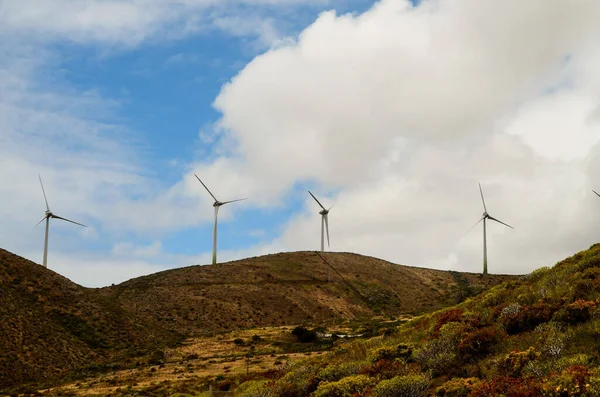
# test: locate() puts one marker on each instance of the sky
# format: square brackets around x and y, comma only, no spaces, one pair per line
[391,111]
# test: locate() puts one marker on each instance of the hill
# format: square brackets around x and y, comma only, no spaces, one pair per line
[50,326]
[53,328]
[292,288]
[537,336]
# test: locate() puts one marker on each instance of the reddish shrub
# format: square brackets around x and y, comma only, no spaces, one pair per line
[449,316]
[528,317]
[478,343]
[509,387]
[576,312]
[383,368]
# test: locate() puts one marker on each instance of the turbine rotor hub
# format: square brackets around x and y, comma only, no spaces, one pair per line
[324,212]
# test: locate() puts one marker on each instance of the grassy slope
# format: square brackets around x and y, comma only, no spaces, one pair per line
[291,288]
[536,336]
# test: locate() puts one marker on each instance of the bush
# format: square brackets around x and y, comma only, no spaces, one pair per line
[449,316]
[238,341]
[437,355]
[527,317]
[506,386]
[382,353]
[345,387]
[402,386]
[478,343]
[304,335]
[571,382]
[457,387]
[334,373]
[514,362]
[576,312]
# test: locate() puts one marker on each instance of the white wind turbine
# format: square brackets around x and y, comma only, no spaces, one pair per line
[485,217]
[47,217]
[324,222]
[216,204]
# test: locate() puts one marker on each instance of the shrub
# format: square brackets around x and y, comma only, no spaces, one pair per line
[576,312]
[528,317]
[304,335]
[402,386]
[478,343]
[404,351]
[506,386]
[571,382]
[437,355]
[334,373]
[238,341]
[345,387]
[514,362]
[449,316]
[385,369]
[382,353]
[457,387]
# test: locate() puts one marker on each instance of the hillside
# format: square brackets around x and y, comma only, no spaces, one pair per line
[52,328]
[291,288]
[50,325]
[538,336]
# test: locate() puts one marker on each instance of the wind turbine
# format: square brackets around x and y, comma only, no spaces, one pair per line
[324,223]
[216,204]
[47,217]
[485,217]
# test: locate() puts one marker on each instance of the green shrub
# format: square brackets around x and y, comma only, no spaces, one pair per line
[334,373]
[457,387]
[402,386]
[345,387]
[514,362]
[382,353]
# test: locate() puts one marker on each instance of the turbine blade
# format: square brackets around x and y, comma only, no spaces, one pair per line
[43,219]
[43,191]
[209,192]
[482,199]
[68,220]
[505,224]
[596,192]
[327,228]
[473,227]
[233,201]
[313,196]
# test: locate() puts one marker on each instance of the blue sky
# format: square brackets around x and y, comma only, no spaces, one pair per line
[380,108]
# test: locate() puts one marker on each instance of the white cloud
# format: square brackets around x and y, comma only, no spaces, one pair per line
[131,22]
[401,111]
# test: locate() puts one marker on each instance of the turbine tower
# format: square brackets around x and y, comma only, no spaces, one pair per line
[324,223]
[216,205]
[47,217]
[484,218]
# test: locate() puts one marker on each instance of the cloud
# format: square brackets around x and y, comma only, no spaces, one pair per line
[131,22]
[398,113]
